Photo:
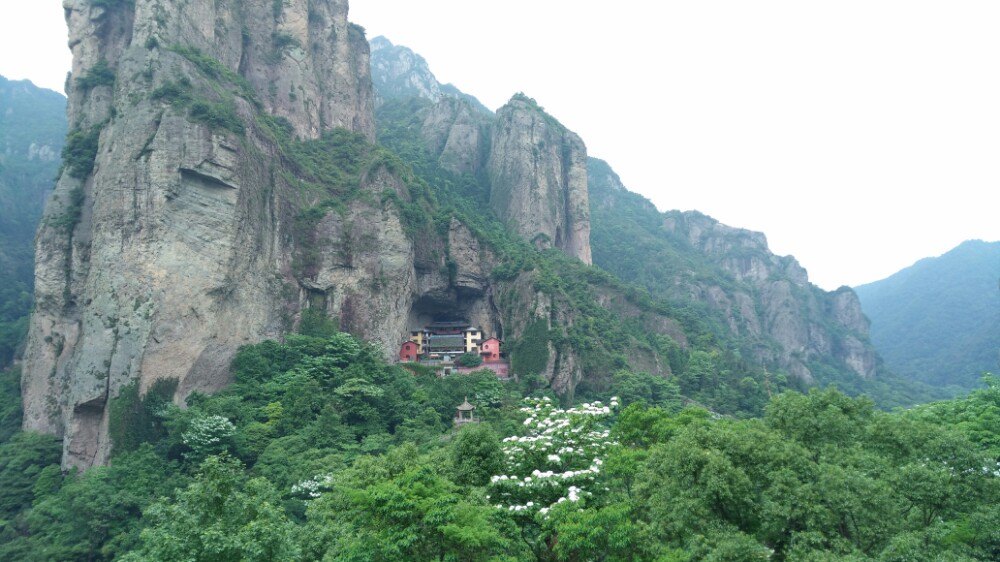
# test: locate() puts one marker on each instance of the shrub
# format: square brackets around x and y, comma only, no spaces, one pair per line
[72,212]
[80,151]
[217,115]
[469,360]
[99,75]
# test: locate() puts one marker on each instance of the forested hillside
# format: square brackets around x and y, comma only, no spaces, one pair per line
[321,451]
[32,128]
[938,321]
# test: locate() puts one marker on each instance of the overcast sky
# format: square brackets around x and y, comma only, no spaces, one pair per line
[859,135]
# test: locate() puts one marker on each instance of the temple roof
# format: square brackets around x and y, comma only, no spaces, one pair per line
[446,342]
[449,324]
[465,406]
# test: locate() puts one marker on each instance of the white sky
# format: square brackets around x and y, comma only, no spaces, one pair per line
[859,135]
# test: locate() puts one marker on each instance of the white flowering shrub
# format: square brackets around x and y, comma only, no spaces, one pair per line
[208,435]
[313,488]
[558,460]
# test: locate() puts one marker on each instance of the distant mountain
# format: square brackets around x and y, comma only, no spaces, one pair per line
[32,129]
[398,73]
[938,321]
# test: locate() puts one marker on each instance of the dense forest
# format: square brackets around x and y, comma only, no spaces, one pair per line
[938,321]
[321,451]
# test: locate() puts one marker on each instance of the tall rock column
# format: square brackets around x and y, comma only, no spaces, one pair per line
[165,245]
[538,173]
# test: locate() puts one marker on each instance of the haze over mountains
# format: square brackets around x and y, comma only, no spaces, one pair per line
[938,321]
[32,131]
[295,300]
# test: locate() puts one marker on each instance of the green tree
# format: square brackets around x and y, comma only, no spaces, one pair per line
[219,517]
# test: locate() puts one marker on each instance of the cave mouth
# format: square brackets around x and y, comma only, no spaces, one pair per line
[435,310]
[452,309]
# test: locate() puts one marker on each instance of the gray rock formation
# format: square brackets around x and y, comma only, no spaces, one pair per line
[774,299]
[538,176]
[173,250]
[457,135]
[398,72]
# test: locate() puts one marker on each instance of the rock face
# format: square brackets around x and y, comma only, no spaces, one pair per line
[401,73]
[765,301]
[538,177]
[458,135]
[165,245]
[806,322]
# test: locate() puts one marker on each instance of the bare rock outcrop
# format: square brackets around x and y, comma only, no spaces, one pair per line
[773,299]
[538,173]
[165,245]
[458,135]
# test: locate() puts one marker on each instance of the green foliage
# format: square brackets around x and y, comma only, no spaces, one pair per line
[650,389]
[938,321]
[400,507]
[213,105]
[530,353]
[221,516]
[343,457]
[72,211]
[217,115]
[98,75]
[476,455]
[469,360]
[316,323]
[93,516]
[10,402]
[22,460]
[135,419]
[178,92]
[80,151]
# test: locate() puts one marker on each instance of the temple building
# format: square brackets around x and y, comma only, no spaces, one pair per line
[440,339]
[440,344]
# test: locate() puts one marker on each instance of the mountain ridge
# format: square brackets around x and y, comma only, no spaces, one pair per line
[938,320]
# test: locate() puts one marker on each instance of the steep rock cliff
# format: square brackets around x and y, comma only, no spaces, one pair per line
[165,245]
[398,72]
[538,178]
[457,135]
[764,300]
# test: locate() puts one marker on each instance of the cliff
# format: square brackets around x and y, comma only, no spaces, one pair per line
[538,178]
[220,187]
[762,300]
[166,243]
[219,182]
